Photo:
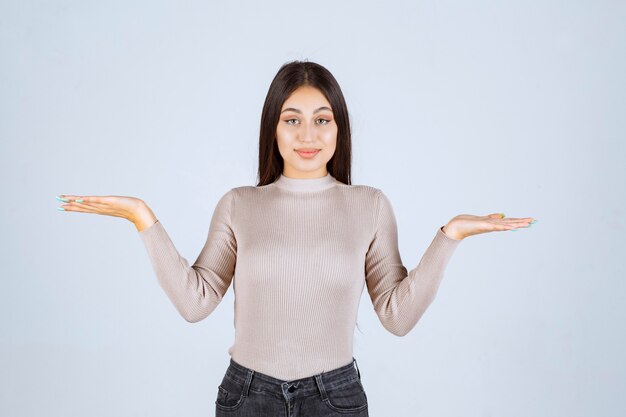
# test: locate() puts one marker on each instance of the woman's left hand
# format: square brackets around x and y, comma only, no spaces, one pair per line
[465,225]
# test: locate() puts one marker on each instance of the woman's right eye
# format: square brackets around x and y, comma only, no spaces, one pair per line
[288,120]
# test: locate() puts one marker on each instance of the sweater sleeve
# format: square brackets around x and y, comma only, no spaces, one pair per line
[195,290]
[400,297]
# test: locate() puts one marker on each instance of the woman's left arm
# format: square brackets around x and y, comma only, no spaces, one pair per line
[401,296]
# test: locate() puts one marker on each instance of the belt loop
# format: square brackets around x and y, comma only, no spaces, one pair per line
[320,386]
[356,366]
[246,386]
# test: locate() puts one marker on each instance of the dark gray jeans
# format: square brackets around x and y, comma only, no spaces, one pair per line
[247,393]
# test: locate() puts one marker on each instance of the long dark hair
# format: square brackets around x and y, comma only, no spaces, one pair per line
[290,76]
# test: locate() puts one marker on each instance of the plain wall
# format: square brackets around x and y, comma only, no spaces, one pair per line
[456,107]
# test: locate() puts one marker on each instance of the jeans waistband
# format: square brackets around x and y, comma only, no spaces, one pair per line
[257,381]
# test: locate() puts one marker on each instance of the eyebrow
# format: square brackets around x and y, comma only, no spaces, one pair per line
[300,111]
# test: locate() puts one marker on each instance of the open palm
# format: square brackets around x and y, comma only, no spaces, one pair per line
[129,208]
[465,225]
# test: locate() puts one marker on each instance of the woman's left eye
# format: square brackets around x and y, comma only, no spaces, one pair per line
[324,120]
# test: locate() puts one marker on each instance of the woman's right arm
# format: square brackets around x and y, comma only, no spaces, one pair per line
[194,290]
[144,217]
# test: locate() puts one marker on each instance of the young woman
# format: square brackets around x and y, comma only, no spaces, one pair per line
[299,247]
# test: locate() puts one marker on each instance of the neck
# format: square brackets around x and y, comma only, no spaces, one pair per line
[305,184]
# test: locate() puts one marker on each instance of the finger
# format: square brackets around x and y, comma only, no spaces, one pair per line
[85,207]
[524,221]
[84,198]
[77,208]
[512,220]
[94,199]
[502,227]
[518,224]
[95,205]
[81,208]
[500,216]
[69,197]
[80,202]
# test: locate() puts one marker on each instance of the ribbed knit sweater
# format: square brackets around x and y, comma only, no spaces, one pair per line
[299,253]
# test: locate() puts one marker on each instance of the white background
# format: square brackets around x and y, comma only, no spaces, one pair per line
[456,107]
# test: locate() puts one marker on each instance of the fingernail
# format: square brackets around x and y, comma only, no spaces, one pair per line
[513,230]
[534,221]
[65,200]
[80,200]
[60,208]
[502,214]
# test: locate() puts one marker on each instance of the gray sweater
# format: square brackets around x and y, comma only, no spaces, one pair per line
[299,253]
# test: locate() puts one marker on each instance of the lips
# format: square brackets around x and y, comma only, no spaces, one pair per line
[307,152]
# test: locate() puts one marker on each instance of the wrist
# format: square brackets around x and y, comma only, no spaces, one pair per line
[451,232]
[143,217]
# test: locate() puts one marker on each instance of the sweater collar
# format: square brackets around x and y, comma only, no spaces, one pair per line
[306,184]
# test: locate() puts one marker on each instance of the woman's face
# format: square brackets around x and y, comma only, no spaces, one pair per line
[306,124]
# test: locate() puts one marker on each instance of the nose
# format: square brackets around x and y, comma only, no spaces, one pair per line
[306,134]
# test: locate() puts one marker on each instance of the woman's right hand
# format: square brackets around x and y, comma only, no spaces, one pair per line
[132,209]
